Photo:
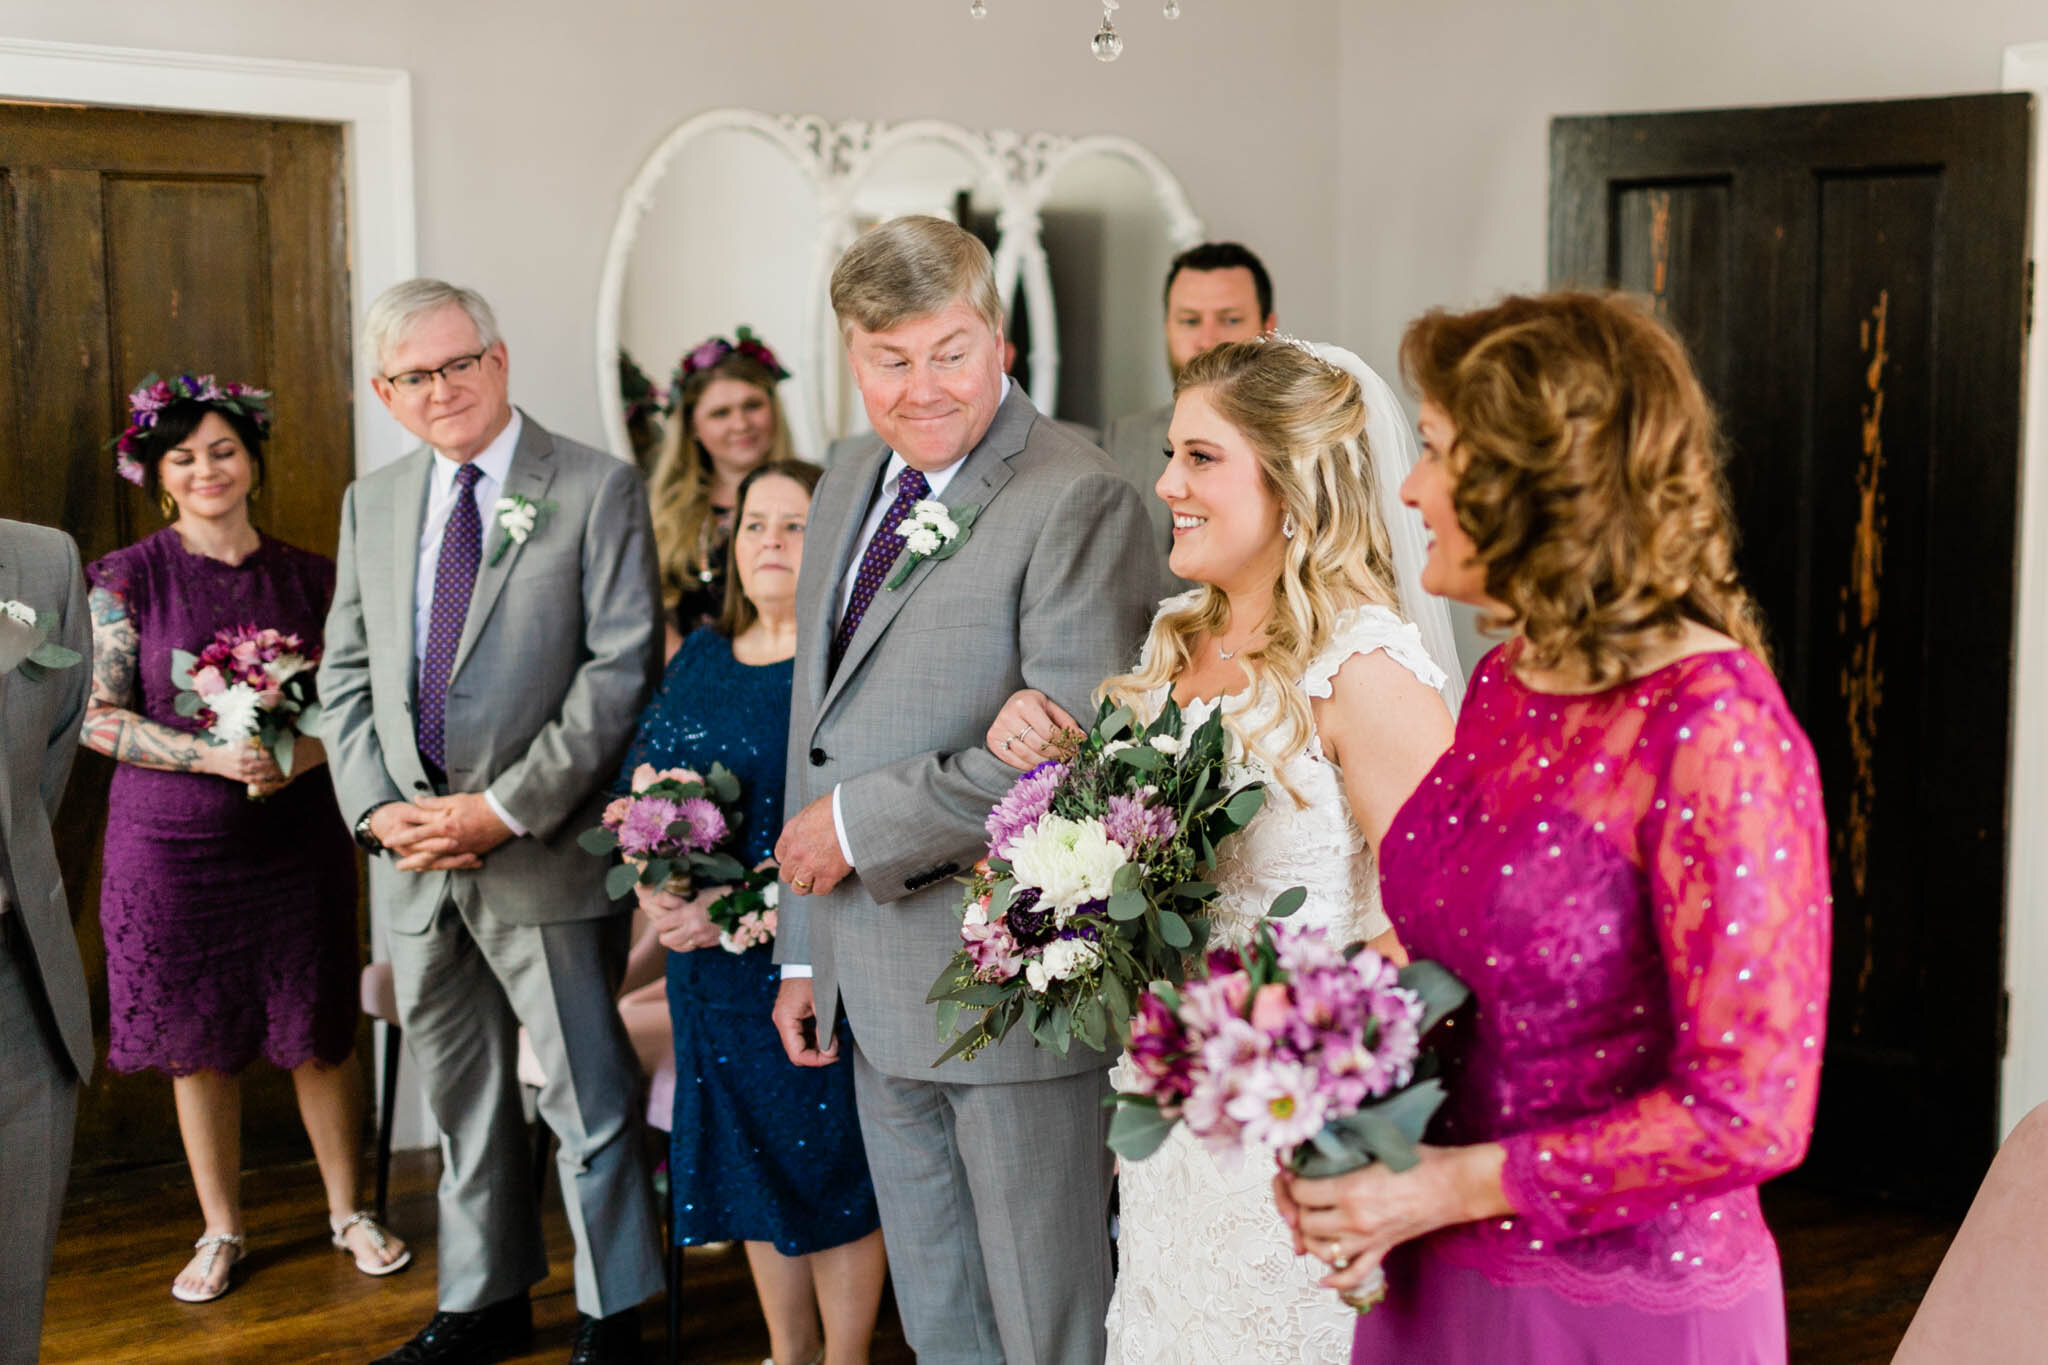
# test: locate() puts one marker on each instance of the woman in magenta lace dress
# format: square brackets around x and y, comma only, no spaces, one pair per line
[230,922]
[1622,854]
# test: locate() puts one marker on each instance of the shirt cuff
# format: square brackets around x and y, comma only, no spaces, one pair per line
[839,829]
[518,830]
[796,971]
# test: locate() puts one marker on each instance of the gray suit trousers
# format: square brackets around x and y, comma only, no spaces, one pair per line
[995,1205]
[465,986]
[38,1114]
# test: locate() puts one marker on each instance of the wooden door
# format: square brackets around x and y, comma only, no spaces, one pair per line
[145,241]
[1851,280]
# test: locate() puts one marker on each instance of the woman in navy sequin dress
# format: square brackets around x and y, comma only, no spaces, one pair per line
[761,1151]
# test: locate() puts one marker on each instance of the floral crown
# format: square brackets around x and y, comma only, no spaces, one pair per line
[153,395]
[712,350]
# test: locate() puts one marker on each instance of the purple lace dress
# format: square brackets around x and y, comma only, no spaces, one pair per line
[230,923]
[1634,883]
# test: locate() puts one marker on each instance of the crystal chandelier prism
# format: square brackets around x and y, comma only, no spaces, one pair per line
[1107,44]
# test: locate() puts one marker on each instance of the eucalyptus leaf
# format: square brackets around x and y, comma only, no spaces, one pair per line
[184,664]
[1129,877]
[618,883]
[598,840]
[1244,804]
[974,1037]
[189,703]
[719,867]
[1287,902]
[1143,757]
[1116,723]
[1127,905]
[1174,929]
[282,752]
[1440,991]
[307,722]
[1136,1130]
[949,1017]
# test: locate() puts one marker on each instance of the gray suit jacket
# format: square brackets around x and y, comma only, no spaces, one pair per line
[39,724]
[559,651]
[1136,446]
[1053,589]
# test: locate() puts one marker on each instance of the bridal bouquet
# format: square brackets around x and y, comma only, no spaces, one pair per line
[250,686]
[1093,886]
[671,830]
[1290,1046]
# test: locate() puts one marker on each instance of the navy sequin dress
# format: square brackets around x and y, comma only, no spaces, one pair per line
[760,1150]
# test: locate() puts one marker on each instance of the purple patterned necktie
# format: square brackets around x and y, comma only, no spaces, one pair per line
[462,548]
[882,550]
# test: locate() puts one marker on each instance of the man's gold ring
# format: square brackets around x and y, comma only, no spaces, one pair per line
[800,884]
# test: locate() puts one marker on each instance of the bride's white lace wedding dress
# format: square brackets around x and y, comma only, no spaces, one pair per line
[1206,1272]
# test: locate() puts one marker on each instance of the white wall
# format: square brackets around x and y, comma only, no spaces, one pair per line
[532,115]
[1443,185]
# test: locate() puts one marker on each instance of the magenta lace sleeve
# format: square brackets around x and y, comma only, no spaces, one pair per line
[1734,852]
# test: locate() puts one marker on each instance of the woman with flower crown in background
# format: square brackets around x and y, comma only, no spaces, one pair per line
[230,921]
[724,421]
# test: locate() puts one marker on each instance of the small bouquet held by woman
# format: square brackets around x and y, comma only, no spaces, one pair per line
[671,831]
[1294,1047]
[1094,884]
[250,686]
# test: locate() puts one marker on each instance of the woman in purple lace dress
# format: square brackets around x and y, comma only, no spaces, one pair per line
[1623,854]
[230,921]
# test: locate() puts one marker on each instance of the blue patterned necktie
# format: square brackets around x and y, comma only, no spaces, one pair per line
[462,549]
[882,550]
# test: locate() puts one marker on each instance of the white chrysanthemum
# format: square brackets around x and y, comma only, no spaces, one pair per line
[22,612]
[234,709]
[922,540]
[1115,746]
[1062,958]
[1069,861]
[1167,744]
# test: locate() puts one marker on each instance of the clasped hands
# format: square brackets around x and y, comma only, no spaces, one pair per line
[439,833]
[1351,1221]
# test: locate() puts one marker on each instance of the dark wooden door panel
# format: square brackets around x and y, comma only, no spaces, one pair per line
[1849,278]
[138,242]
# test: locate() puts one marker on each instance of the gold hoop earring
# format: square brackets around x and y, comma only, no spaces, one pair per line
[163,500]
[254,490]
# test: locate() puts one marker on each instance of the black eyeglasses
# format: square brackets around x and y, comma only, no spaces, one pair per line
[417,381]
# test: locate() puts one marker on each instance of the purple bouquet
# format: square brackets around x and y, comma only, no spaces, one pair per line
[1290,1046]
[1095,882]
[250,686]
[671,830]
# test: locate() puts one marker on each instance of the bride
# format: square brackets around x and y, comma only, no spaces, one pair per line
[1341,706]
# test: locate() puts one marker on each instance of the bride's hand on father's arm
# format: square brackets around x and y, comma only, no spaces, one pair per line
[1023,731]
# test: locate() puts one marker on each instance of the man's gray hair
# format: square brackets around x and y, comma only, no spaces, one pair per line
[398,309]
[912,267]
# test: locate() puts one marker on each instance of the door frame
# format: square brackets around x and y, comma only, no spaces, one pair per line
[2026,931]
[372,104]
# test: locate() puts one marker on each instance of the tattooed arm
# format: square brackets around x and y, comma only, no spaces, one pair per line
[113,728]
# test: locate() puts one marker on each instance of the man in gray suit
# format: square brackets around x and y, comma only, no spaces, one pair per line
[494,634]
[991,1175]
[1215,292]
[46,1046]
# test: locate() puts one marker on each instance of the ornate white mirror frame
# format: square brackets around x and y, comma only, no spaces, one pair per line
[1021,169]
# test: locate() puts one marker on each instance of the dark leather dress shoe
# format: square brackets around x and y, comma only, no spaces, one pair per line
[490,1333]
[613,1340]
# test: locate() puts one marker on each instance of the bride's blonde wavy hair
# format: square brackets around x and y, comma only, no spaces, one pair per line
[1304,419]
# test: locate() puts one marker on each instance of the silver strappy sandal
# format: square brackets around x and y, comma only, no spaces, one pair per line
[379,1238]
[210,1248]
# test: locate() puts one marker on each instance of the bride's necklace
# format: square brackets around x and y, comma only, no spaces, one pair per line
[1228,654]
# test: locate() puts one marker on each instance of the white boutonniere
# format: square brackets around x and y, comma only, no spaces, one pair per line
[25,643]
[931,531]
[518,517]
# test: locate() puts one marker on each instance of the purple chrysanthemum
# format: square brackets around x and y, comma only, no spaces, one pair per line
[646,825]
[1131,822]
[706,824]
[1023,806]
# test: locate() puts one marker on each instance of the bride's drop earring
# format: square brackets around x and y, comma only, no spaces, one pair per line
[1287,525]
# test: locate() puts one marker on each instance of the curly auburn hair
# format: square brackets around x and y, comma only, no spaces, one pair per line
[1588,470]
[1304,420]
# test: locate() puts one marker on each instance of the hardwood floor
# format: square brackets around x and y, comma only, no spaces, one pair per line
[1853,1276]
[297,1299]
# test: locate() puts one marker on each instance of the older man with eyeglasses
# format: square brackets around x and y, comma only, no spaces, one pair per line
[496,629]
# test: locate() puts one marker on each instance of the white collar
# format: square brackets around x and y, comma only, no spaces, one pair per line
[495,459]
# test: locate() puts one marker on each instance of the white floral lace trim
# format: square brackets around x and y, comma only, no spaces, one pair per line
[1363,629]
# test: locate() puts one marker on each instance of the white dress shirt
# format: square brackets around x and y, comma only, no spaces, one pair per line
[495,462]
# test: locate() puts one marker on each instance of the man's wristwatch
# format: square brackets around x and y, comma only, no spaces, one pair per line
[366,838]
